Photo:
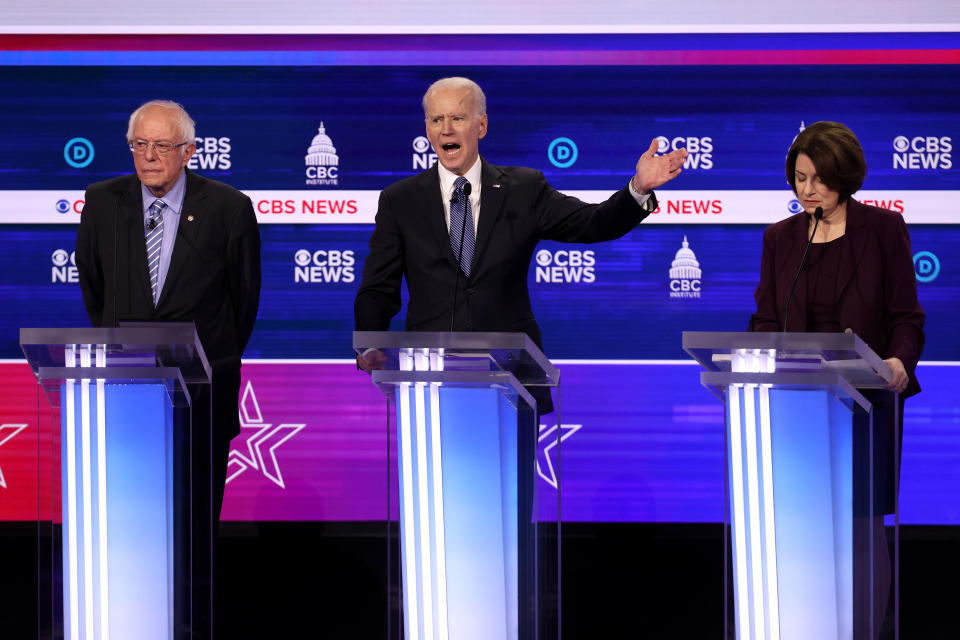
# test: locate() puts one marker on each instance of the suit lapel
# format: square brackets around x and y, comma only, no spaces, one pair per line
[798,234]
[429,186]
[493,192]
[191,216]
[131,219]
[853,247]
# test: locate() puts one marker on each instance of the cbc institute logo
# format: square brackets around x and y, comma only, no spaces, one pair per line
[685,273]
[322,161]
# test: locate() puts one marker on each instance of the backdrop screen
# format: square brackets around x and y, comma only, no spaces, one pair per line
[643,441]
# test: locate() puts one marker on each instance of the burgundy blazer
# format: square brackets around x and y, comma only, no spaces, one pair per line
[876,285]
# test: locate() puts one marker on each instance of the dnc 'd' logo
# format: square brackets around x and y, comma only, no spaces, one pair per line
[562,152]
[926,265]
[78,152]
[685,273]
[322,161]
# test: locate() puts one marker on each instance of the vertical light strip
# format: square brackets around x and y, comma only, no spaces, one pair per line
[436,360]
[435,435]
[753,496]
[423,504]
[70,357]
[773,601]
[101,360]
[406,460]
[87,494]
[739,518]
[421,362]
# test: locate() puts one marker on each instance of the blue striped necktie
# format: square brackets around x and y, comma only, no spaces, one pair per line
[461,224]
[154,240]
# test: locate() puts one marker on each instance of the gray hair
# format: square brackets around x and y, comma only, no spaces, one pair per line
[184,122]
[480,100]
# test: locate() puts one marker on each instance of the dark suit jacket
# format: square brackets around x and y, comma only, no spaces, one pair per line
[518,208]
[876,285]
[213,280]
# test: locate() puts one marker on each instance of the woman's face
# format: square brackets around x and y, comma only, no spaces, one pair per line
[811,191]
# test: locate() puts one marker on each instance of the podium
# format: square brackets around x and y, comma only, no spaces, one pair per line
[128,557]
[812,465]
[476,561]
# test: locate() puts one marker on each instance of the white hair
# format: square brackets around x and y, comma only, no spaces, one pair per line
[457,82]
[184,123]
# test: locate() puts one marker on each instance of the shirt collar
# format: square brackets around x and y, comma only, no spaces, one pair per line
[447,178]
[173,198]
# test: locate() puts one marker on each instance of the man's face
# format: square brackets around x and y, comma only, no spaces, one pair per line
[159,172]
[454,128]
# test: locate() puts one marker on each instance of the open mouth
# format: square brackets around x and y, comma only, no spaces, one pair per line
[451,147]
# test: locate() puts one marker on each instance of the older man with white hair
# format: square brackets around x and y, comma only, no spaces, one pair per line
[467,228]
[166,245]
[462,234]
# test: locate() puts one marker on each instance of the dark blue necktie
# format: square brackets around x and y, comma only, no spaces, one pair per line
[461,226]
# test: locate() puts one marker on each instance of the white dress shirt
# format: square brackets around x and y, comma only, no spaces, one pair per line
[447,178]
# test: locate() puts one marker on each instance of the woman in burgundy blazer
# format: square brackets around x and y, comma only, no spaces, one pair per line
[858,275]
[874,292]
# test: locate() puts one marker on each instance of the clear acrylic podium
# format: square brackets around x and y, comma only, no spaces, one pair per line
[476,561]
[811,473]
[120,555]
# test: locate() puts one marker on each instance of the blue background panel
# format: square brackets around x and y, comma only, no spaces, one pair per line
[750,114]
[626,312]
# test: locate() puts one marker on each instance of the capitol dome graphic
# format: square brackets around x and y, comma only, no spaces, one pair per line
[685,265]
[321,151]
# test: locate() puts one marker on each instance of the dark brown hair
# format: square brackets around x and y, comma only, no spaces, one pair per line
[835,152]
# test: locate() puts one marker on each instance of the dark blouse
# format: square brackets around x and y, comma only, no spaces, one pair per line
[821,274]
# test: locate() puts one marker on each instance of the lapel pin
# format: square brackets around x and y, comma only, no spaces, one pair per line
[496,186]
[189,218]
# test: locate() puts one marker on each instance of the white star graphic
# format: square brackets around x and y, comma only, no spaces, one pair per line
[7,431]
[265,432]
[566,430]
